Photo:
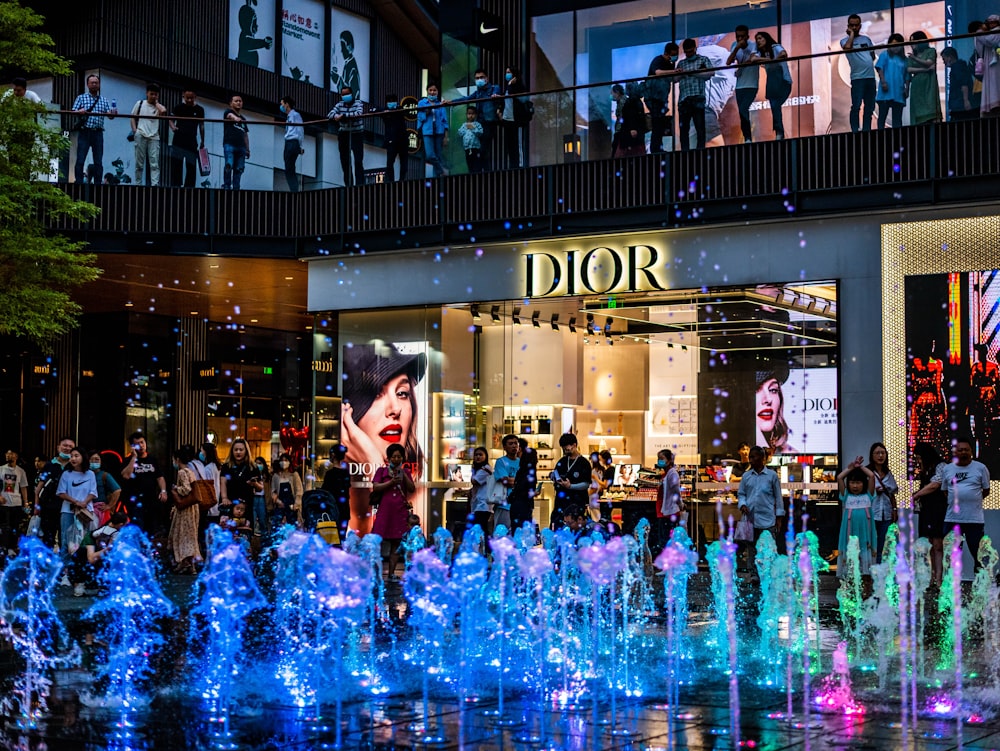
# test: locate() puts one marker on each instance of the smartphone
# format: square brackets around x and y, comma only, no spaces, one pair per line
[554,476]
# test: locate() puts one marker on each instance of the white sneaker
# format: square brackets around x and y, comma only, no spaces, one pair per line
[64,582]
[78,590]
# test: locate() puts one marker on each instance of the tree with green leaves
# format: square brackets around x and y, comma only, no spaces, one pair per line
[39,268]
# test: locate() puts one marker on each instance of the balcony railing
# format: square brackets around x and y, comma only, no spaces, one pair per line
[935,163]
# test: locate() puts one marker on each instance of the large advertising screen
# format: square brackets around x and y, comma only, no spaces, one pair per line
[820,99]
[952,338]
[384,403]
[251,32]
[302,41]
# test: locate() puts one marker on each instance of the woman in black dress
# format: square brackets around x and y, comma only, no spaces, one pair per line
[522,496]
[931,503]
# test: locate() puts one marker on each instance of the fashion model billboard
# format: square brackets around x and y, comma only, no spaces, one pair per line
[384,407]
[251,32]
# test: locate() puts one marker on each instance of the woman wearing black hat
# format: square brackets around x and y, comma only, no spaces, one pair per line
[379,410]
[769,410]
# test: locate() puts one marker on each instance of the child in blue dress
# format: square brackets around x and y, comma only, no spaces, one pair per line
[856,485]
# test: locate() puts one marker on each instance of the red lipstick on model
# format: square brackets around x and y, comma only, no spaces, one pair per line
[391,431]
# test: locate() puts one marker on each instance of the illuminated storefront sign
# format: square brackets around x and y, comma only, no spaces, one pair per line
[600,270]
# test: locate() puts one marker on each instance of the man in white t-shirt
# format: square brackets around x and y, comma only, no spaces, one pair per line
[146,133]
[967,483]
[862,73]
[14,493]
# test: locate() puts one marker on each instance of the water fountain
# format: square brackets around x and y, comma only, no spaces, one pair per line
[554,638]
[30,621]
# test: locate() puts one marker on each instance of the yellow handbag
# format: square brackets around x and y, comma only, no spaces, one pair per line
[328,530]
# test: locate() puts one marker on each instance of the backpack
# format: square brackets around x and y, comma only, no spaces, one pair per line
[48,496]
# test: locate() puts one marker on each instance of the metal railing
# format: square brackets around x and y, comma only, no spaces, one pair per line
[572,124]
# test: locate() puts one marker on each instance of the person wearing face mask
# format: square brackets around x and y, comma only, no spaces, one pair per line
[516,115]
[206,467]
[394,484]
[351,135]
[286,491]
[397,144]
[295,136]
[484,97]
[657,95]
[107,489]
[670,506]
[48,505]
[432,125]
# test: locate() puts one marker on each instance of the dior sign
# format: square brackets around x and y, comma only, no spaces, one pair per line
[597,271]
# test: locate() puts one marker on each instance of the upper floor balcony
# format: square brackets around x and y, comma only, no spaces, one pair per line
[577,175]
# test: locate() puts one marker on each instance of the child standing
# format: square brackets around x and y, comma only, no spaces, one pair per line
[472,133]
[856,485]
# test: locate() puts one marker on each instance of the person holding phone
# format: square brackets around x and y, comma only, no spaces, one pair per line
[394,483]
[144,488]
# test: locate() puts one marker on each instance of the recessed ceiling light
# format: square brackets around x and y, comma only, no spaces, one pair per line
[289,278]
[213,266]
[194,312]
[253,320]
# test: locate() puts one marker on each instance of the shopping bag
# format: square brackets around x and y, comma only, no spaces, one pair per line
[328,530]
[204,163]
[744,528]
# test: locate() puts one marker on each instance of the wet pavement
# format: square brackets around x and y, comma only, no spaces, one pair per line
[395,720]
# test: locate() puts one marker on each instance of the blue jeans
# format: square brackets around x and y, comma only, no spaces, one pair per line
[89,139]
[65,525]
[434,153]
[862,92]
[262,524]
[236,157]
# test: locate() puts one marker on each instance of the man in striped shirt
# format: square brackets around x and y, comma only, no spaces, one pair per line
[694,74]
[351,139]
[90,137]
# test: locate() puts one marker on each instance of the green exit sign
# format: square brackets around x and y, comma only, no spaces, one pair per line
[268,370]
[612,303]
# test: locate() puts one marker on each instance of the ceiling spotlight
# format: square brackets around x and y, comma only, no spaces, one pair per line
[534,319]
[515,316]
[475,312]
[586,339]
[555,321]
[572,325]
[495,313]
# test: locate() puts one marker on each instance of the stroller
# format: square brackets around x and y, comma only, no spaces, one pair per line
[320,512]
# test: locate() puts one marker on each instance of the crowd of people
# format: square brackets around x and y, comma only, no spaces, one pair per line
[882,82]
[76,501]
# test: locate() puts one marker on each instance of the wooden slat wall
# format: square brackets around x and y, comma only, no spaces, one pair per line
[190,404]
[186,42]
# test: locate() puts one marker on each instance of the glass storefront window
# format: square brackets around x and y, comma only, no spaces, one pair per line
[698,372]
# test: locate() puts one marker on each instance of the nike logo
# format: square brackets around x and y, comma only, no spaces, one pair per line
[78,484]
[484,30]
